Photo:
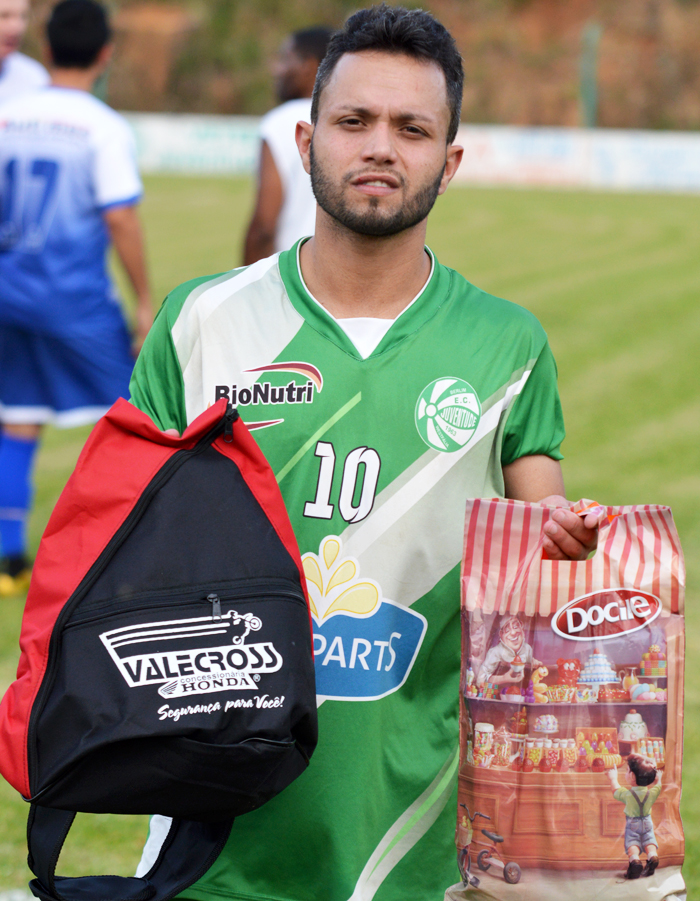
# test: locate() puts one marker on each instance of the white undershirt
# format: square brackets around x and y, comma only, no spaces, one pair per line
[366,332]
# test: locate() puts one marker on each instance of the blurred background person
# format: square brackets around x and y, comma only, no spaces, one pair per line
[285,208]
[69,184]
[18,73]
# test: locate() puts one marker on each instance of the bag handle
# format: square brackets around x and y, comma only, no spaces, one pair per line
[190,848]
[503,569]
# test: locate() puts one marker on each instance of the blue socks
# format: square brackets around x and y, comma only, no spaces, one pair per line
[16,460]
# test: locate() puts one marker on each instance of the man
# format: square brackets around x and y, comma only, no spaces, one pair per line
[384,390]
[499,664]
[285,208]
[18,73]
[68,184]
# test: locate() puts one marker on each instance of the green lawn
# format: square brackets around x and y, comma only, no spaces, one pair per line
[613,278]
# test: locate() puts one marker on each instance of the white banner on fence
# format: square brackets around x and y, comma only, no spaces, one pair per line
[597,158]
[195,145]
[605,159]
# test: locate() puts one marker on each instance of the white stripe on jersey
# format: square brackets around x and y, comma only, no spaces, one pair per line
[412,510]
[245,320]
[410,827]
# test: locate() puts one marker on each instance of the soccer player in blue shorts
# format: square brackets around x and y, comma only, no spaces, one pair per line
[68,186]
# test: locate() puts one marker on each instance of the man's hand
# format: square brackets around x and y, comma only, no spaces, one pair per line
[568,536]
[538,479]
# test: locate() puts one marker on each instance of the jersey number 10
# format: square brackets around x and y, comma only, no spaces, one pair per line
[321,508]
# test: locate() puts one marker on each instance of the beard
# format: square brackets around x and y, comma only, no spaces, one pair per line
[372,221]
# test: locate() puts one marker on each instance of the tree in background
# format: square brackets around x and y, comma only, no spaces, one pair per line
[522,58]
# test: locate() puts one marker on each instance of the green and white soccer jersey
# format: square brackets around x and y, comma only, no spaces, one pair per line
[375,459]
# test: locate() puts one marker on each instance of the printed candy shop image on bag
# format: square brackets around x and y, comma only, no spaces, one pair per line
[571,709]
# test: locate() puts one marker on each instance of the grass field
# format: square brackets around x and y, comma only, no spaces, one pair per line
[615,281]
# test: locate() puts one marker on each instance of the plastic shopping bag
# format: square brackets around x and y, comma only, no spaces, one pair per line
[571,710]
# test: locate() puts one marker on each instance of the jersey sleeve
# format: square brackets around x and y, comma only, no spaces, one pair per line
[157,387]
[535,423]
[115,172]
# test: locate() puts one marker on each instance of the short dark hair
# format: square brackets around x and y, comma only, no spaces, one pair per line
[643,768]
[77,31]
[312,42]
[394,29]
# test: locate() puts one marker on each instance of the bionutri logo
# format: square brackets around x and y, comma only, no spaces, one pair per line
[447,414]
[606,614]
[266,394]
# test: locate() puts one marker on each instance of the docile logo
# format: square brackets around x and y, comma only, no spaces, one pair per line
[606,614]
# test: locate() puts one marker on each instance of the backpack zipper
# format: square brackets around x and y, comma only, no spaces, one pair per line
[215,606]
[254,589]
[161,477]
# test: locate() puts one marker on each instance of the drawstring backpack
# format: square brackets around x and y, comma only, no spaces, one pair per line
[166,661]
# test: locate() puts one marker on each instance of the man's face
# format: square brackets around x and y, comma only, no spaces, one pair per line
[14,17]
[288,71]
[512,635]
[378,158]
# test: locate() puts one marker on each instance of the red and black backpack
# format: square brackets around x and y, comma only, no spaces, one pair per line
[166,661]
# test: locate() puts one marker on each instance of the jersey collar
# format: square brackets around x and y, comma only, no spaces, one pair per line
[424,306]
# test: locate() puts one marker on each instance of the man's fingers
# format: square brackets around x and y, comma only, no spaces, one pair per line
[569,536]
[574,525]
[595,518]
[558,545]
[590,520]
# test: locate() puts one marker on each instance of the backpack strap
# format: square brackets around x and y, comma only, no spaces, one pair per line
[188,851]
